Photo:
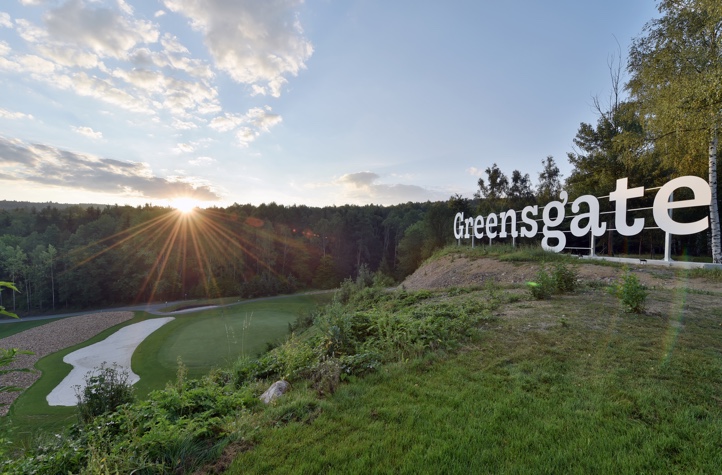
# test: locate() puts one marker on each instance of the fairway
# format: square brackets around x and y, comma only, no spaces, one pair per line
[215,338]
[202,340]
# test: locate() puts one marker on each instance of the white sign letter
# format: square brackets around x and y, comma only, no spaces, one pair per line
[621,195]
[702,197]
[593,217]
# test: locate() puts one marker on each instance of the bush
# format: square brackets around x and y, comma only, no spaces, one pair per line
[565,278]
[631,293]
[106,388]
[543,286]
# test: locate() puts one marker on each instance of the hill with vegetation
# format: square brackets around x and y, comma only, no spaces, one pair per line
[487,376]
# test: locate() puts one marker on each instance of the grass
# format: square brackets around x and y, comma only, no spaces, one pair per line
[8,329]
[474,380]
[203,340]
[215,338]
[569,385]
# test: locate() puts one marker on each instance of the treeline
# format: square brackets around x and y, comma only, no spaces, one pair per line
[82,257]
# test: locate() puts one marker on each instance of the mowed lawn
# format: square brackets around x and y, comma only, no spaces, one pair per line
[202,340]
[570,385]
[216,338]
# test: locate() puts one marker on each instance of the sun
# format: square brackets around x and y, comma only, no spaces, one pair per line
[184,205]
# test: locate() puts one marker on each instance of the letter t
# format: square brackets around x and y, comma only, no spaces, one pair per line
[621,195]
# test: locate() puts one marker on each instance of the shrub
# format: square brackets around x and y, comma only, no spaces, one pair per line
[631,293]
[106,388]
[543,286]
[565,278]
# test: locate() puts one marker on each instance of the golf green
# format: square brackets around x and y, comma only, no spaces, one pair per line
[215,338]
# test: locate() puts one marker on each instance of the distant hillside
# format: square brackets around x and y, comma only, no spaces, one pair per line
[11,205]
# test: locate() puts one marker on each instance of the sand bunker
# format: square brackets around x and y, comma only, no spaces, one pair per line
[118,348]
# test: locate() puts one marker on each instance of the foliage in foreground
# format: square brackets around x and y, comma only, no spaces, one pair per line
[560,280]
[631,293]
[188,424]
[104,391]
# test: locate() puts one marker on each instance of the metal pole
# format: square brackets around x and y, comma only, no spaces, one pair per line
[668,237]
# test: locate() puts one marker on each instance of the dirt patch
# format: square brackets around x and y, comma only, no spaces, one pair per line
[456,271]
[47,339]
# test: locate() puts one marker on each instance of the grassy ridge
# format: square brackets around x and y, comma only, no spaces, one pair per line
[571,385]
[154,360]
[466,380]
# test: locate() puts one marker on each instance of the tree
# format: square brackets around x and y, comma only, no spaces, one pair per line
[549,181]
[676,75]
[7,356]
[613,149]
[496,189]
[520,192]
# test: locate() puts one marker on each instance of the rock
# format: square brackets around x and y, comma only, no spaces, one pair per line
[276,390]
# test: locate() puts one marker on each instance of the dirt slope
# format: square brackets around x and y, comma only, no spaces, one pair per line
[456,271]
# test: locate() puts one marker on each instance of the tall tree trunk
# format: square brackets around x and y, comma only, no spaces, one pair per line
[713,207]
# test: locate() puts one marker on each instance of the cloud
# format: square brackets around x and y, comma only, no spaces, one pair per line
[256,43]
[184,148]
[105,31]
[360,179]
[183,125]
[475,171]
[6,114]
[248,126]
[50,166]
[69,57]
[361,188]
[201,161]
[88,132]
[5,20]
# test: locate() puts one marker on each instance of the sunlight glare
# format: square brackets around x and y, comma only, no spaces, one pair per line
[184,205]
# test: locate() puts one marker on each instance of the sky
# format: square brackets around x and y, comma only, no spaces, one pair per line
[316,102]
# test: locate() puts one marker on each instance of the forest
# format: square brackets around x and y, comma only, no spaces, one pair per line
[660,121]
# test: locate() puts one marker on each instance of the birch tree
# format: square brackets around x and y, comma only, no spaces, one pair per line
[676,75]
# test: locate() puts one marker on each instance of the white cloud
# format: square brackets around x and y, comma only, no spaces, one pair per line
[172,44]
[125,8]
[50,166]
[5,20]
[35,64]
[70,57]
[183,125]
[249,126]
[4,48]
[184,148]
[88,132]
[29,32]
[6,114]
[226,122]
[201,161]
[104,90]
[256,43]
[105,31]
[359,179]
[159,13]
[361,188]
[475,171]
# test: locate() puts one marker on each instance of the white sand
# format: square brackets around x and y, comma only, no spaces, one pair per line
[117,348]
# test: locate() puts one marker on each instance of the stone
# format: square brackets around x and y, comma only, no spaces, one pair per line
[276,390]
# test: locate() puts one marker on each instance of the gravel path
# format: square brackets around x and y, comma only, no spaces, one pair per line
[47,339]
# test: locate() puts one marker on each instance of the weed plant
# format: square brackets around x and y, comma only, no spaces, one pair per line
[631,293]
[560,279]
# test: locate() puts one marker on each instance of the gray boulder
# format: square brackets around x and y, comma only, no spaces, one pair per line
[276,390]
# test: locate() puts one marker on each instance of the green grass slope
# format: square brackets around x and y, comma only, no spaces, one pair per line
[568,385]
[216,338]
